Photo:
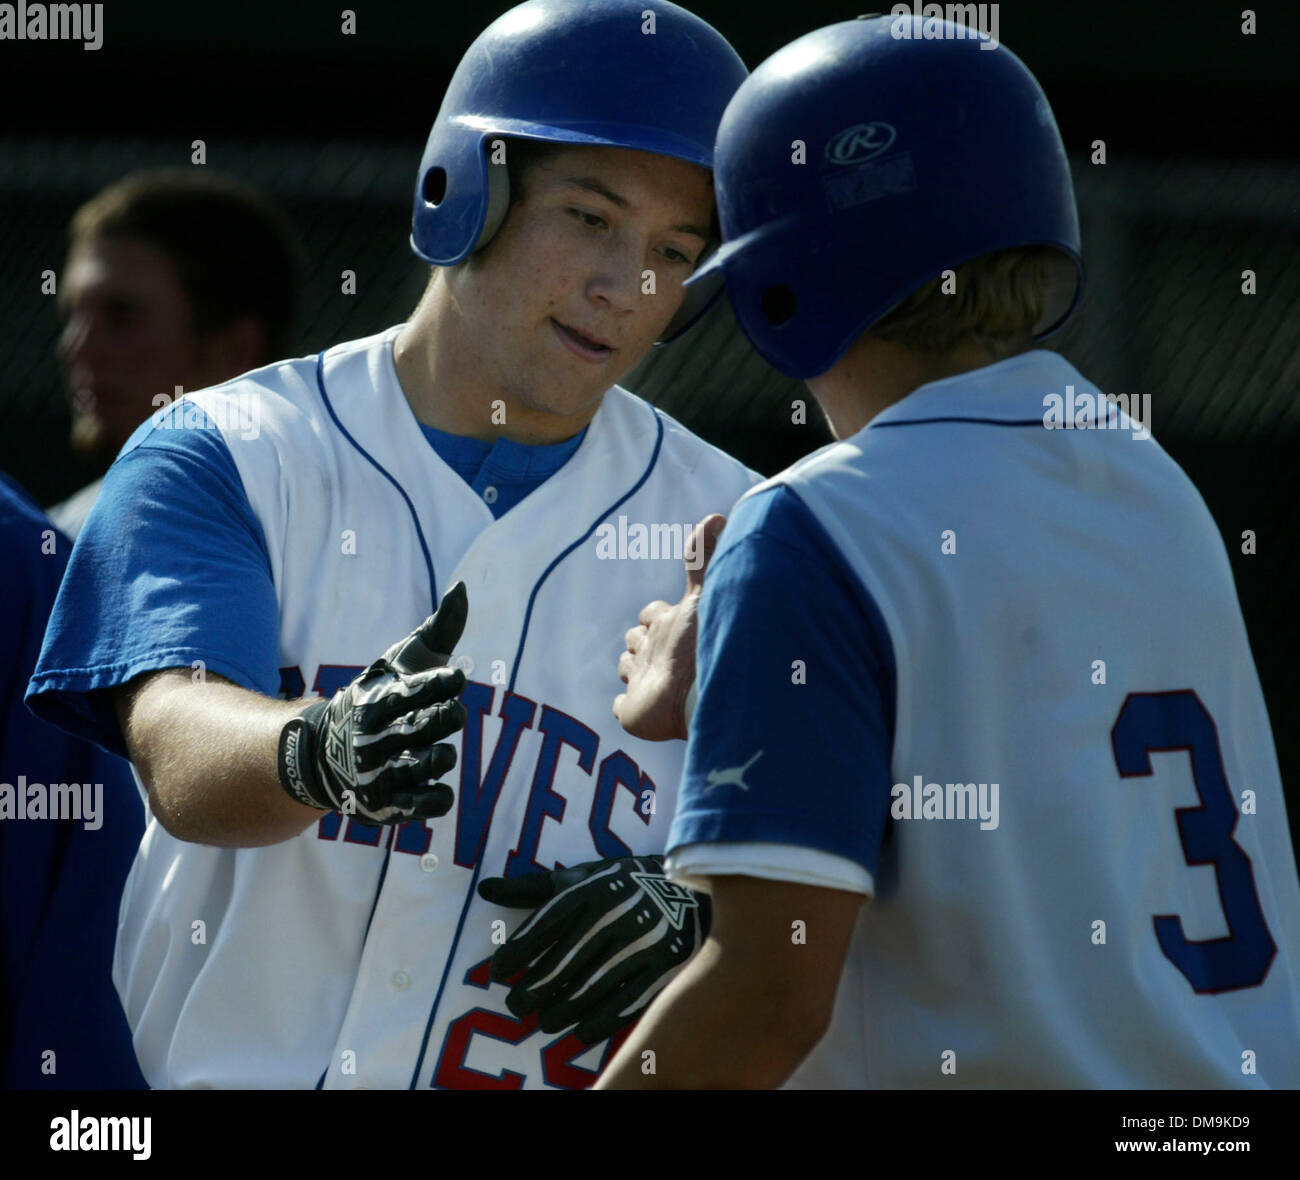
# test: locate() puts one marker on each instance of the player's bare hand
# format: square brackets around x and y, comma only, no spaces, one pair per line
[658,666]
[375,749]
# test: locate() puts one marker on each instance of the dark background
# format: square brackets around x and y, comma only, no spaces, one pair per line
[1202,181]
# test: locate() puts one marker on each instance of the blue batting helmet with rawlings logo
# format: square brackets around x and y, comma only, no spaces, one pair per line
[918,153]
[640,74]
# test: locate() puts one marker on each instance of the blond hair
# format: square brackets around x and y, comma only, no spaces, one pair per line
[997,302]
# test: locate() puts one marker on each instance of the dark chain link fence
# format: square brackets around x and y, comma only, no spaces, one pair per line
[1164,312]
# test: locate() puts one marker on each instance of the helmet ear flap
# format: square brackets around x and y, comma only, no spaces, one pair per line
[498,202]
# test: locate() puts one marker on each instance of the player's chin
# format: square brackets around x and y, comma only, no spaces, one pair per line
[570,402]
[575,390]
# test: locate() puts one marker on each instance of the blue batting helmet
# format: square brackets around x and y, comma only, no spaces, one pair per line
[641,74]
[921,154]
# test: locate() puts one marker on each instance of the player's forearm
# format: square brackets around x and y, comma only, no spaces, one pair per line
[712,1028]
[207,754]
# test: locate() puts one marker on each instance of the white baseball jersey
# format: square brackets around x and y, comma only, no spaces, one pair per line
[1058,787]
[354,956]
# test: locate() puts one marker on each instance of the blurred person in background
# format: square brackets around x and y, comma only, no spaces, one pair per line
[174,277]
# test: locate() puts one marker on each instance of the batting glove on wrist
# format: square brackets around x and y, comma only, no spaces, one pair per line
[608,937]
[370,750]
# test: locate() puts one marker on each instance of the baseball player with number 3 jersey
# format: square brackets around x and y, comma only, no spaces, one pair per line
[304,908]
[979,664]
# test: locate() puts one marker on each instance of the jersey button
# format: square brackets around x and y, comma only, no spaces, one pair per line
[400,980]
[489,495]
[428,862]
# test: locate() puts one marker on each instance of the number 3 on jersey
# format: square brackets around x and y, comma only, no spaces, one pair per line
[1168,721]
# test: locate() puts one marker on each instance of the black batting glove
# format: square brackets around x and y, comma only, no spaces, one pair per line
[608,937]
[372,750]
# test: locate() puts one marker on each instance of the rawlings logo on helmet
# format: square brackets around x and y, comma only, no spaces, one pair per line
[860,142]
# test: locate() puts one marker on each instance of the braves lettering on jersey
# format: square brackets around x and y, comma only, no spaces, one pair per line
[353,956]
[1024,720]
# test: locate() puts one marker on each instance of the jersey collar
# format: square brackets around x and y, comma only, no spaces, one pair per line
[1014,391]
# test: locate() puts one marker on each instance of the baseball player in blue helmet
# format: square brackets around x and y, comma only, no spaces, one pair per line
[305,908]
[979,776]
